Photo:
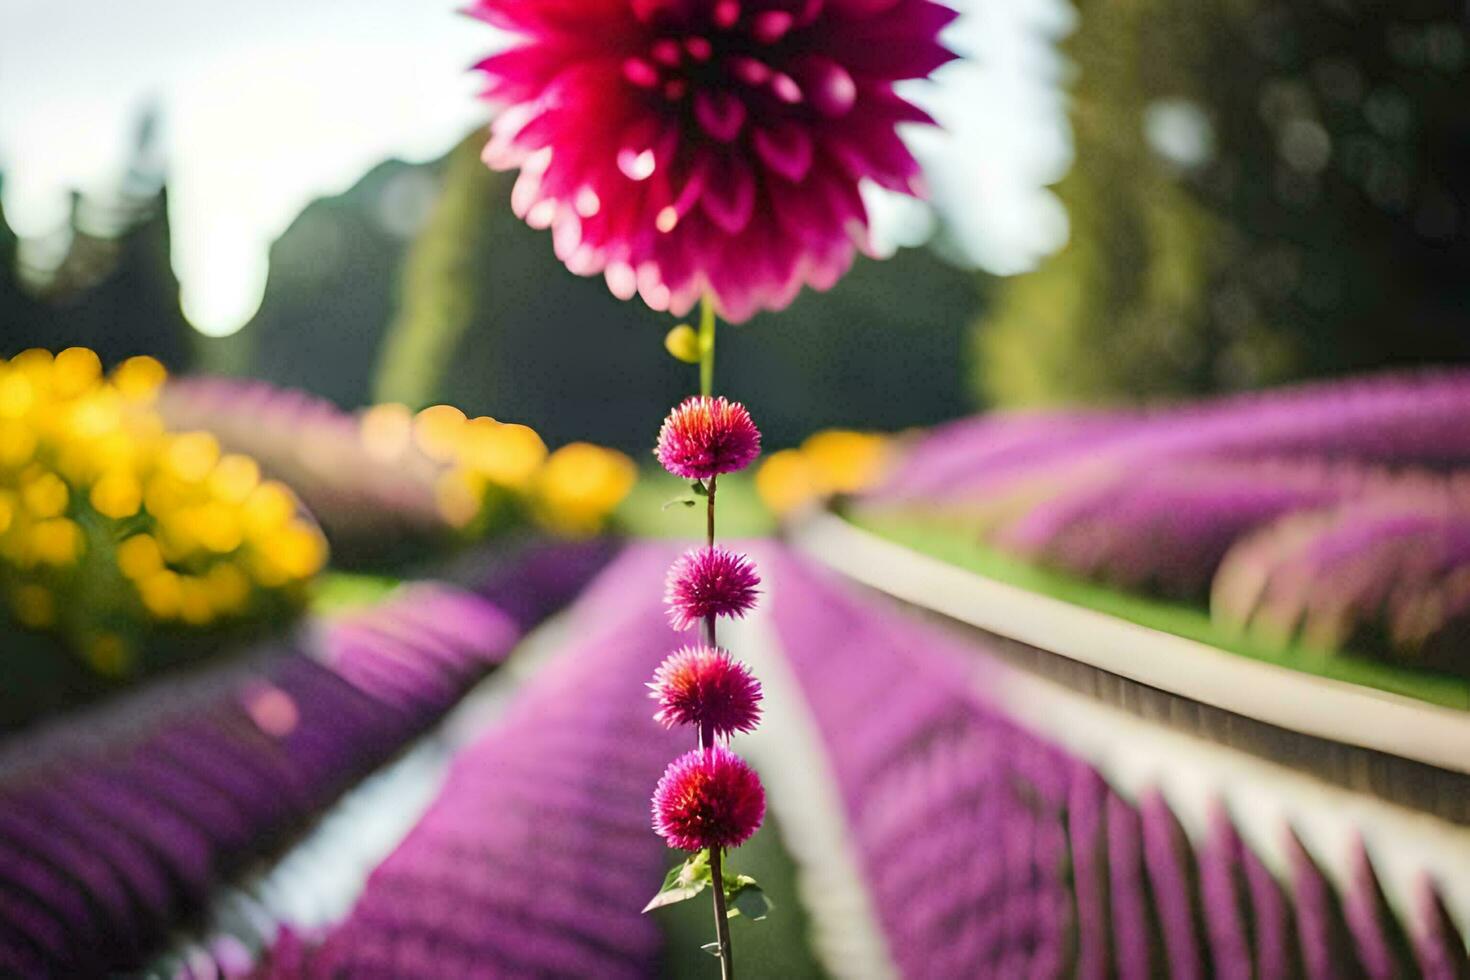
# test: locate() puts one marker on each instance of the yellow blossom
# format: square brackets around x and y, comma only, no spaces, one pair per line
[786,481]
[117,494]
[74,371]
[138,378]
[191,455]
[17,394]
[269,506]
[506,454]
[44,494]
[437,431]
[234,478]
[56,541]
[227,587]
[580,486]
[161,594]
[846,461]
[139,556]
[17,443]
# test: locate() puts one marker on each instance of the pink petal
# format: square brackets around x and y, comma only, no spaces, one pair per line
[786,148]
[729,198]
[719,113]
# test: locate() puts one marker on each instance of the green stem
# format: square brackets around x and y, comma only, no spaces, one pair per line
[722,915]
[716,862]
[706,347]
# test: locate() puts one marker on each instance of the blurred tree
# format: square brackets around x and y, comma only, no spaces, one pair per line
[491,321]
[334,284]
[1263,191]
[103,280]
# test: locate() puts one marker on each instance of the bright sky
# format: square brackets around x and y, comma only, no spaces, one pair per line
[271,104]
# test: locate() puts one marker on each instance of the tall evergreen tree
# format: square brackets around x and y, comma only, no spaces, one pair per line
[1263,191]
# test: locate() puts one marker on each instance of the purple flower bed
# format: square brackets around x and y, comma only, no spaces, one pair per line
[1390,572]
[1167,528]
[537,856]
[963,457]
[985,848]
[1392,420]
[116,826]
[958,816]
[1167,502]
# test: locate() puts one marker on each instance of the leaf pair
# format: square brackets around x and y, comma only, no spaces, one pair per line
[743,895]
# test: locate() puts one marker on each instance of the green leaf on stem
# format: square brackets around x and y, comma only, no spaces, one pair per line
[683,882]
[745,897]
[700,490]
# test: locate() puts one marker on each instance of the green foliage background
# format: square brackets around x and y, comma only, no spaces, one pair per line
[1324,232]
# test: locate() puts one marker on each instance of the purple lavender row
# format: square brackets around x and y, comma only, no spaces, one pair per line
[957,815]
[102,852]
[114,830]
[1390,571]
[315,448]
[1167,528]
[988,851]
[995,446]
[1400,419]
[535,857]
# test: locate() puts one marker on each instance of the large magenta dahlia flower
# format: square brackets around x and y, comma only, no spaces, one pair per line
[709,797]
[684,147]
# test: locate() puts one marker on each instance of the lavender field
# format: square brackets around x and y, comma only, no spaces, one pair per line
[740,489]
[1311,523]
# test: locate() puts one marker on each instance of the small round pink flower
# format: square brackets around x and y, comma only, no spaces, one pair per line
[706,687]
[708,798]
[709,581]
[707,436]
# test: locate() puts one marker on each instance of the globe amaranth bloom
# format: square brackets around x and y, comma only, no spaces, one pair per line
[706,436]
[709,581]
[692,147]
[709,797]
[706,687]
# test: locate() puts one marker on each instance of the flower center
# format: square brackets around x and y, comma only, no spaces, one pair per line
[725,61]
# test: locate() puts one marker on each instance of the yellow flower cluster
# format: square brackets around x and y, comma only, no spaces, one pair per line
[828,463]
[487,471]
[109,523]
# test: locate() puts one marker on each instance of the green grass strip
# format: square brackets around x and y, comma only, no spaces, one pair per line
[339,591]
[937,540]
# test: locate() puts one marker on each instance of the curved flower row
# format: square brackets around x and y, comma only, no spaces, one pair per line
[535,856]
[116,825]
[313,446]
[1330,514]
[1391,569]
[388,477]
[1167,528]
[984,849]
[1389,420]
[990,852]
